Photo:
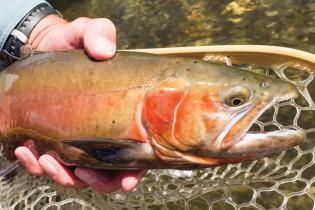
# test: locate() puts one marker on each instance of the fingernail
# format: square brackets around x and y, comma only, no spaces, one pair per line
[23,157]
[130,183]
[105,46]
[49,167]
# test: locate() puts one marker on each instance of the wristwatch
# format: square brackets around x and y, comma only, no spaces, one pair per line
[19,36]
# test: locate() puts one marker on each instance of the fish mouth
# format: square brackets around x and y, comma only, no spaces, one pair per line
[260,144]
[265,143]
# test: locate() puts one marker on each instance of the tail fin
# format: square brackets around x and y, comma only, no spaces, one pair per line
[8,162]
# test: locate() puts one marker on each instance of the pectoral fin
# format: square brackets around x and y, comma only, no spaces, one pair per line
[114,151]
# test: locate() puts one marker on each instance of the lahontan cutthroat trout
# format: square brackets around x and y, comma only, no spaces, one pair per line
[138,111]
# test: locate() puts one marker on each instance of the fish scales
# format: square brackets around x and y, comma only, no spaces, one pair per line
[138,110]
[51,83]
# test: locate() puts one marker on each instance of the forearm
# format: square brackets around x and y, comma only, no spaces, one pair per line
[12,14]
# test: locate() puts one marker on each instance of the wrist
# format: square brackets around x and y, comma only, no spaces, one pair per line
[46,25]
[20,35]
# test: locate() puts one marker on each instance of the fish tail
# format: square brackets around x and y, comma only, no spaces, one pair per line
[8,162]
[8,168]
[13,138]
[7,146]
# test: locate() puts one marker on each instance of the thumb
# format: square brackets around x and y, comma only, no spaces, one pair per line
[100,39]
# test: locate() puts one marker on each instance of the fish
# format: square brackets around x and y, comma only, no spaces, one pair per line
[138,111]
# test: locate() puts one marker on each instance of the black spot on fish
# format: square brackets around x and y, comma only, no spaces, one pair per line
[113,121]
[244,78]
[195,61]
[188,69]
[173,75]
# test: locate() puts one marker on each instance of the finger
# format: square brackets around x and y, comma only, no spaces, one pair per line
[102,181]
[130,179]
[59,173]
[29,161]
[100,39]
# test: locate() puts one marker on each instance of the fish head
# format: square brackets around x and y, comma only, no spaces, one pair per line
[201,113]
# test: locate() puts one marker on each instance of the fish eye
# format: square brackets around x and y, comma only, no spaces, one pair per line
[237,101]
[237,96]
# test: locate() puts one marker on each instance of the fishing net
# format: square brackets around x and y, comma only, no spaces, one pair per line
[283,181]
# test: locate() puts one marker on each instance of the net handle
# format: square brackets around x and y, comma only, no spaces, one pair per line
[240,54]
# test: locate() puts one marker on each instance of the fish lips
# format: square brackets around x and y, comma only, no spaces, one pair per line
[266,143]
[256,145]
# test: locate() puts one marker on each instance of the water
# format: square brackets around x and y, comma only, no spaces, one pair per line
[278,182]
[159,23]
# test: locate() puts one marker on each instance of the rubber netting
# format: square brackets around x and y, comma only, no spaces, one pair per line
[283,181]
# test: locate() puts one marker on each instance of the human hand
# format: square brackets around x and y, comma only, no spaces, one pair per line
[98,38]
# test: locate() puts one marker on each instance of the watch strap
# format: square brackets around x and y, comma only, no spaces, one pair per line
[19,36]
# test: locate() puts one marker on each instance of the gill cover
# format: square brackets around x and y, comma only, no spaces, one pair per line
[184,118]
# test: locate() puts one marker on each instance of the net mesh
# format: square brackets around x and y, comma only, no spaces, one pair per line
[283,181]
